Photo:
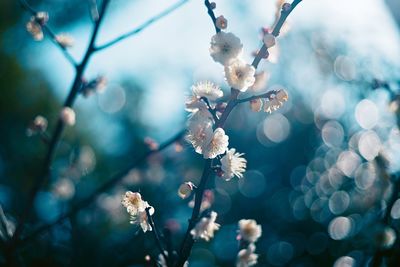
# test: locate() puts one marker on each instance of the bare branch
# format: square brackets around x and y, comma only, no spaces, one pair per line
[52,35]
[143,26]
[156,235]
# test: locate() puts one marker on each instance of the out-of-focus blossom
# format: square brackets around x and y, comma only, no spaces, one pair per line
[96,85]
[261,79]
[67,115]
[240,75]
[256,105]
[276,101]
[136,207]
[385,237]
[208,200]
[221,23]
[269,40]
[34,25]
[64,188]
[247,257]
[232,164]
[65,40]
[151,143]
[7,228]
[249,230]
[185,190]
[225,47]
[37,126]
[205,228]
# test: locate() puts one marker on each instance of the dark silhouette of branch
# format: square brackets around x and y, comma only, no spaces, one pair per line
[73,93]
[103,188]
[52,35]
[212,15]
[156,234]
[265,95]
[143,26]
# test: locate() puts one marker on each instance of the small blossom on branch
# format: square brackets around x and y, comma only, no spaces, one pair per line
[256,105]
[136,207]
[269,40]
[249,230]
[247,257]
[240,75]
[274,102]
[201,90]
[217,145]
[37,126]
[225,47]
[34,25]
[232,164]
[205,228]
[65,40]
[221,23]
[67,115]
[96,85]
[185,190]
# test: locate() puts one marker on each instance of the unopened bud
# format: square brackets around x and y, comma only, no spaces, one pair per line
[67,115]
[185,190]
[221,23]
[269,40]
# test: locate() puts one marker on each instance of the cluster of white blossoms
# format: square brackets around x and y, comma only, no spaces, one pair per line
[249,233]
[35,24]
[136,207]
[206,227]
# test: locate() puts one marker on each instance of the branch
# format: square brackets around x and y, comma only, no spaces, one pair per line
[265,95]
[212,15]
[59,129]
[103,188]
[48,31]
[143,26]
[275,32]
[155,232]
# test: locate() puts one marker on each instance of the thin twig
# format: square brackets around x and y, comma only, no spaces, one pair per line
[265,95]
[49,32]
[275,32]
[212,111]
[156,234]
[103,188]
[143,26]
[212,15]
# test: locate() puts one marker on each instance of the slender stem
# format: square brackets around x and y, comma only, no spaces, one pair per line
[143,26]
[49,32]
[59,129]
[156,235]
[212,15]
[265,95]
[106,186]
[212,111]
[276,31]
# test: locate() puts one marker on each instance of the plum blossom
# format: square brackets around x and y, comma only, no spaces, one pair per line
[34,25]
[205,228]
[240,75]
[232,164]
[269,40]
[205,89]
[275,101]
[136,207]
[249,230]
[221,22]
[225,47]
[247,257]
[38,125]
[185,190]
[65,40]
[67,115]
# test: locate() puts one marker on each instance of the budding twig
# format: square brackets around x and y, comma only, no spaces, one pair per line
[156,235]
[52,35]
[265,95]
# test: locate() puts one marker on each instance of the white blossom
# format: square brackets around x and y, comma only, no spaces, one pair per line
[199,131]
[67,115]
[207,89]
[225,47]
[240,75]
[65,40]
[217,145]
[275,101]
[38,125]
[34,25]
[249,230]
[136,207]
[232,164]
[247,257]
[185,190]
[256,105]
[205,228]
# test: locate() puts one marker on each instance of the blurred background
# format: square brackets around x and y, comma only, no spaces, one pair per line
[321,171]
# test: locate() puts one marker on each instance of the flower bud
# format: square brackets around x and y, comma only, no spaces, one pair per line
[221,23]
[269,40]
[185,190]
[38,125]
[67,115]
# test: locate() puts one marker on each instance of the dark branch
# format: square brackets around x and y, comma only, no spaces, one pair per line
[156,235]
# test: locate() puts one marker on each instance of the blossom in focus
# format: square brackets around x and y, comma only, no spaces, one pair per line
[225,47]
[136,207]
[240,75]
[249,230]
[202,89]
[247,257]
[217,145]
[67,115]
[275,101]
[205,228]
[221,23]
[200,130]
[34,25]
[65,40]
[232,164]
[38,125]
